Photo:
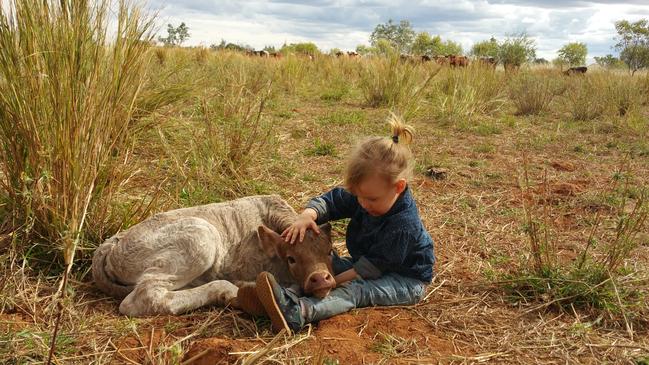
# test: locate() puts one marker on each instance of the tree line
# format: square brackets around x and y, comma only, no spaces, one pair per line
[517,49]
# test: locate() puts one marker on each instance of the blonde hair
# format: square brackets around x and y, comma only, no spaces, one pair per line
[387,157]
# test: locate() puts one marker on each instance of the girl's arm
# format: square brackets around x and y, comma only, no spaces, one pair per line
[332,205]
[346,276]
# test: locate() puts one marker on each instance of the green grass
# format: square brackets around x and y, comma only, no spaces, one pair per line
[321,148]
[343,118]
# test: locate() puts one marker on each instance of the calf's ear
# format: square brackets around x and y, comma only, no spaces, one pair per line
[326,229]
[271,242]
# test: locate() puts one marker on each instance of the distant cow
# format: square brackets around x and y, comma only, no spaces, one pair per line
[576,70]
[457,61]
[277,55]
[180,260]
[339,54]
[441,60]
[488,61]
[425,58]
[352,54]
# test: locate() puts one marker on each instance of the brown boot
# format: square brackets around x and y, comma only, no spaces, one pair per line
[248,301]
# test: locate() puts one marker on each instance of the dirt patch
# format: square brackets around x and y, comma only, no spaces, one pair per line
[363,336]
[141,347]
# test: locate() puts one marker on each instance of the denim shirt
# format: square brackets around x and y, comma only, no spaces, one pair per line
[394,242]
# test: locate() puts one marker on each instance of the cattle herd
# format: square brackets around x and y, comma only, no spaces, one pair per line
[447,60]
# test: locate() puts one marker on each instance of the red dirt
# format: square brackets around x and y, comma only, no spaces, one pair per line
[350,338]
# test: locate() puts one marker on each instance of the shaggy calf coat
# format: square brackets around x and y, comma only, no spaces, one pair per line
[183,259]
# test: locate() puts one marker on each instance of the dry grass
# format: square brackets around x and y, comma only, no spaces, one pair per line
[476,215]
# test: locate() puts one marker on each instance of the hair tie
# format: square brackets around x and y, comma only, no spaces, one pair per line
[395,138]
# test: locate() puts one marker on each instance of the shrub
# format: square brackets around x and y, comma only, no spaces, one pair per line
[463,94]
[583,97]
[70,100]
[386,81]
[532,93]
[623,94]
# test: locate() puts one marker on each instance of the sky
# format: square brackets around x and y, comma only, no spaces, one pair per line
[345,24]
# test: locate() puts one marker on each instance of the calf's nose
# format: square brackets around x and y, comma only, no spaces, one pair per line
[321,280]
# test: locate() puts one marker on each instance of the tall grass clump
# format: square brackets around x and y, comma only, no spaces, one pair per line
[462,94]
[531,93]
[584,98]
[292,71]
[69,91]
[601,280]
[233,130]
[387,81]
[333,80]
[624,94]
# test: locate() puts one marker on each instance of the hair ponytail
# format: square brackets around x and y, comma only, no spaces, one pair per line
[388,158]
[401,132]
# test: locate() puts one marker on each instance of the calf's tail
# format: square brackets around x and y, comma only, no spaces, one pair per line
[102,279]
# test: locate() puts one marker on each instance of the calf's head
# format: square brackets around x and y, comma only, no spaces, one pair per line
[309,261]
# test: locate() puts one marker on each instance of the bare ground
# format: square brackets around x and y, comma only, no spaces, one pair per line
[475,217]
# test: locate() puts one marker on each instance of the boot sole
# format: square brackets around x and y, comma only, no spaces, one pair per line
[267,298]
[248,301]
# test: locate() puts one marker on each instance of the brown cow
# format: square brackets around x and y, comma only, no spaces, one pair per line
[458,61]
[441,60]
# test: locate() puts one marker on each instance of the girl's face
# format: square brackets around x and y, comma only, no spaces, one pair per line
[377,195]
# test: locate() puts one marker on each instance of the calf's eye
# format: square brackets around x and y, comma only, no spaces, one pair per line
[291,260]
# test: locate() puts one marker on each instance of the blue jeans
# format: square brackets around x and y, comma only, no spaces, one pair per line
[389,289]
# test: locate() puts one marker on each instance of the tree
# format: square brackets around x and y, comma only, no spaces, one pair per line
[541,61]
[486,48]
[633,43]
[175,36]
[425,44]
[270,49]
[573,54]
[215,47]
[609,61]
[306,48]
[364,50]
[450,47]
[516,50]
[559,62]
[399,35]
[434,46]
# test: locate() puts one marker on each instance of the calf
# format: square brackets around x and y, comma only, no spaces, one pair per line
[183,259]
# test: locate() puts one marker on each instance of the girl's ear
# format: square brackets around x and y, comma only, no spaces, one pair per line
[400,185]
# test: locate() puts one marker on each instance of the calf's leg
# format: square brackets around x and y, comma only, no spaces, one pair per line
[154,296]
[185,249]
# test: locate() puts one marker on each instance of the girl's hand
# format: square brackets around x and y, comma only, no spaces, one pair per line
[304,221]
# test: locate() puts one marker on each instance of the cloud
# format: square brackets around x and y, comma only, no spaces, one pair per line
[347,23]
